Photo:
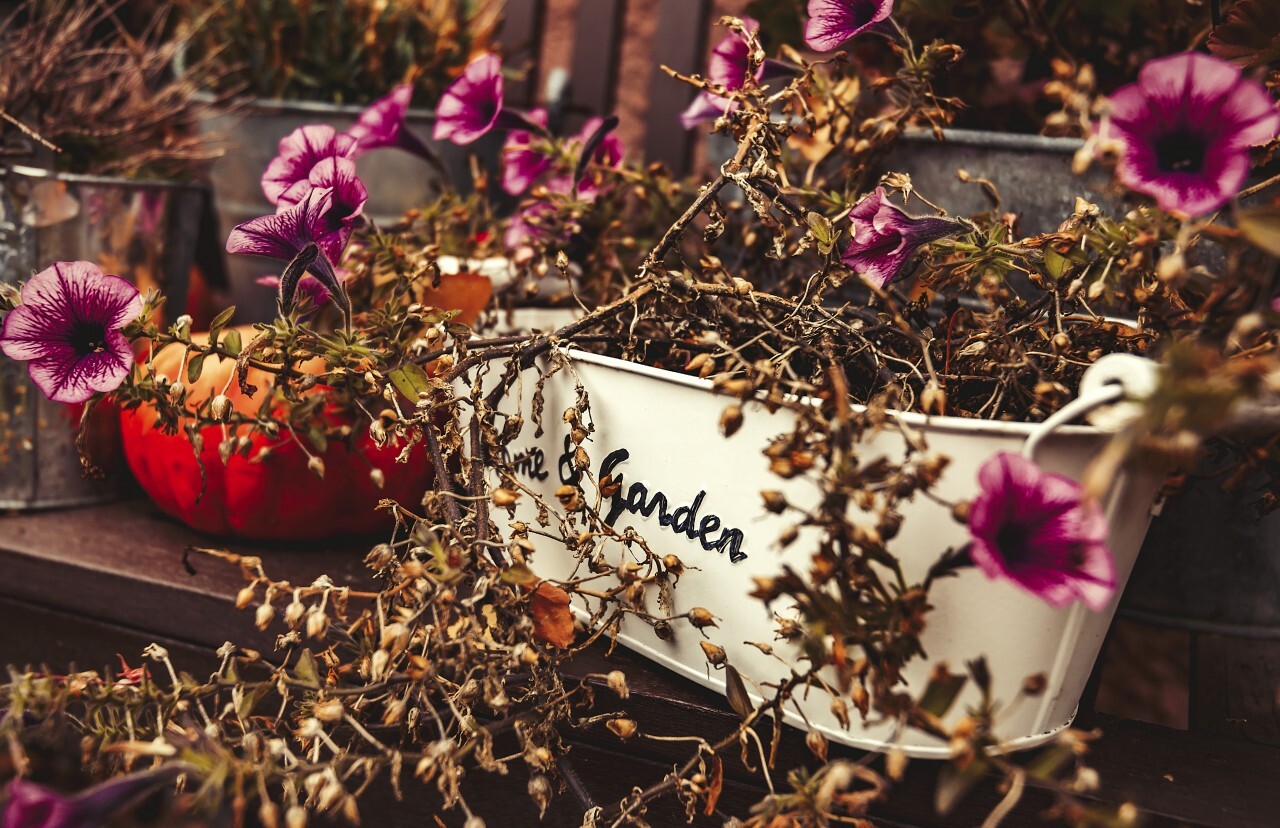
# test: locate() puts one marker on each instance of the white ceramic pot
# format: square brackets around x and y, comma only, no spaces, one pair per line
[658,431]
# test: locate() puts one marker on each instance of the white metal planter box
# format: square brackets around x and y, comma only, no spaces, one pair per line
[691,492]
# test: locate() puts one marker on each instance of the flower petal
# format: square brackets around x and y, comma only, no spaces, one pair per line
[832,22]
[299,151]
[382,121]
[65,376]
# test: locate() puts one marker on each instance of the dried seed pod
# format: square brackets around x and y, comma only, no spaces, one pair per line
[262,618]
[714,653]
[377,478]
[245,597]
[731,420]
[617,681]
[316,466]
[817,744]
[774,501]
[701,618]
[329,710]
[624,729]
[840,710]
[504,497]
[220,408]
[295,817]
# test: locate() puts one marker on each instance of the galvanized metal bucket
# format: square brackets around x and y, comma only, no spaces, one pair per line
[397,181]
[143,231]
[1032,174]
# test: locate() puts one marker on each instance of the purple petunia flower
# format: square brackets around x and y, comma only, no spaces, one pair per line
[727,67]
[68,327]
[299,152]
[382,124]
[885,237]
[29,805]
[521,162]
[287,235]
[337,175]
[1037,529]
[1185,129]
[832,22]
[472,105]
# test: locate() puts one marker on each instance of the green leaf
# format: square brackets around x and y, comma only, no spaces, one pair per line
[1056,263]
[941,691]
[736,691]
[195,367]
[1261,225]
[954,784]
[410,380]
[219,322]
[822,230]
[249,701]
[231,342]
[317,438]
[306,668]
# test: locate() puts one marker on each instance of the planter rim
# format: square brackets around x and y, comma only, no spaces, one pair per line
[991,139]
[934,422]
[82,178]
[275,106]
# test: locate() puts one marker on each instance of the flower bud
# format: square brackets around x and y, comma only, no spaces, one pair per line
[817,744]
[178,392]
[377,478]
[294,612]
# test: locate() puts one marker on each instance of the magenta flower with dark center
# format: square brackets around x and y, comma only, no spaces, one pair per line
[728,67]
[299,152]
[1037,529]
[337,175]
[1185,129]
[472,106]
[832,22]
[382,124]
[522,163]
[29,805]
[68,328]
[885,238]
[302,234]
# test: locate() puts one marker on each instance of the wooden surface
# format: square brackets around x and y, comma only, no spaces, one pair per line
[79,586]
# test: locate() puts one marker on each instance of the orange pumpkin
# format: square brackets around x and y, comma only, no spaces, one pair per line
[276,496]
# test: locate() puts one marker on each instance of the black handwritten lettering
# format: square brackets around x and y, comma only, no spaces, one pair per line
[529,463]
[636,499]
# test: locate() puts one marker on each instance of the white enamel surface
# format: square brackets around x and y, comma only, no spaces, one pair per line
[669,424]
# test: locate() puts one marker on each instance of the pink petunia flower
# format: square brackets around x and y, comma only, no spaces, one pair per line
[338,175]
[68,328]
[299,152]
[1036,529]
[885,237]
[382,124]
[522,164]
[472,106]
[832,22]
[1185,129]
[728,67]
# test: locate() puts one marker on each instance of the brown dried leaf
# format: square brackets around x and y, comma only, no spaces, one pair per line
[715,783]
[552,620]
